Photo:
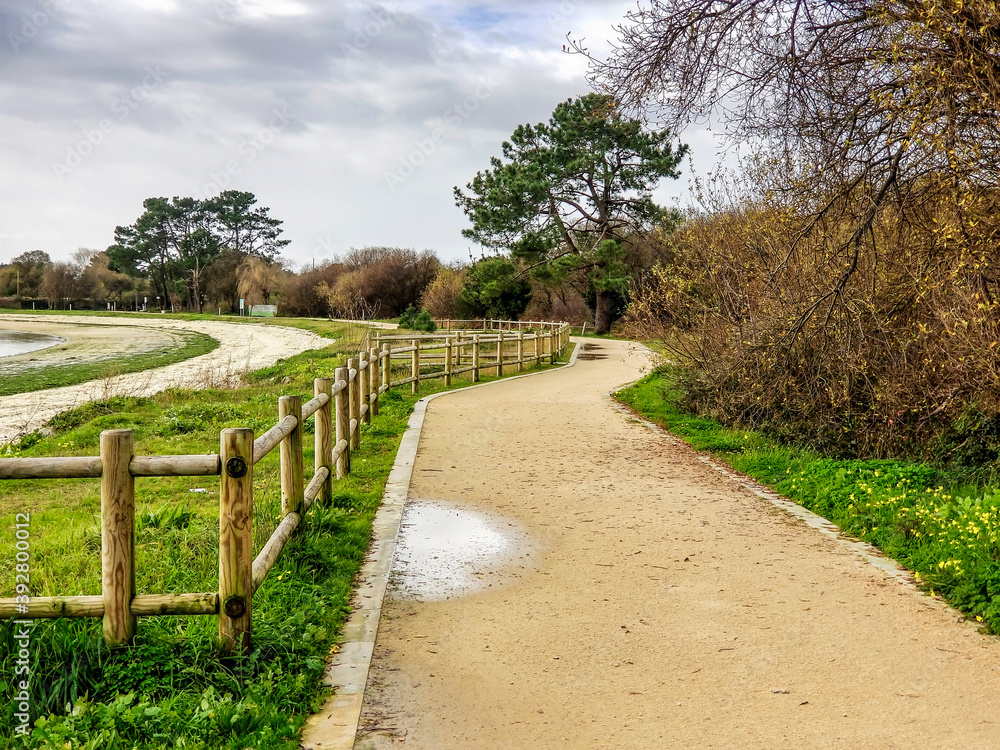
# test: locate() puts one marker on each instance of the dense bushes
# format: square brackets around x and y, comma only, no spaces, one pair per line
[875,344]
[443,297]
[374,282]
[415,320]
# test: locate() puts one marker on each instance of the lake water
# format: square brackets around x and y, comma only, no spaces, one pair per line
[22,342]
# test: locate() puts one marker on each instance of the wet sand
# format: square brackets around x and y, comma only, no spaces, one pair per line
[242,347]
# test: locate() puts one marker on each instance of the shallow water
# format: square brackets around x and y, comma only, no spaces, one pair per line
[22,342]
[444,551]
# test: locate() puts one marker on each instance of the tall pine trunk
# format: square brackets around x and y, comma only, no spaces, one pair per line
[602,312]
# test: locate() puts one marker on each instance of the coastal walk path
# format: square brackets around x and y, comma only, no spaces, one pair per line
[627,595]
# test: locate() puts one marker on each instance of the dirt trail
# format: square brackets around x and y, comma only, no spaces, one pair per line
[242,347]
[662,607]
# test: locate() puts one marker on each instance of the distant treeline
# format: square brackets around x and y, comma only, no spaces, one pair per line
[187,255]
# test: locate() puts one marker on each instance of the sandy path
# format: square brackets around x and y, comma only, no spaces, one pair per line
[242,347]
[664,607]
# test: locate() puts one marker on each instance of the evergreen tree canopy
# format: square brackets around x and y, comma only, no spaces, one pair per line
[567,193]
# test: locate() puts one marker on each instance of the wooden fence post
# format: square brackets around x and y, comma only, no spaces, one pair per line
[447,360]
[458,349]
[117,536]
[323,429]
[552,346]
[416,365]
[475,358]
[364,389]
[520,349]
[342,412]
[499,351]
[290,449]
[387,368]
[235,538]
[374,380]
[355,402]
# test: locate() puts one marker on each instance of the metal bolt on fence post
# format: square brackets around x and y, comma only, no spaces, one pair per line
[235,538]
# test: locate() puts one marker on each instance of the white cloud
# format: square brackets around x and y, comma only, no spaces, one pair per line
[363,88]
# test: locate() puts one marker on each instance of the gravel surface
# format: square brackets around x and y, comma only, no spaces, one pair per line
[655,604]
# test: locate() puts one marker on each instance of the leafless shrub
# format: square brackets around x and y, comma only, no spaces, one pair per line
[443,296]
[901,359]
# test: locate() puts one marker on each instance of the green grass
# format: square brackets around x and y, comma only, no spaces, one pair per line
[171,689]
[58,375]
[924,518]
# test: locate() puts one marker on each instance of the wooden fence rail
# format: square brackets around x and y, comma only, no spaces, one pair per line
[340,405]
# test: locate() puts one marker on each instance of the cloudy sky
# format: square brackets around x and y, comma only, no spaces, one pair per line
[352,121]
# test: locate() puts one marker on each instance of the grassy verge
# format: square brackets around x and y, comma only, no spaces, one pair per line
[171,689]
[192,344]
[948,534]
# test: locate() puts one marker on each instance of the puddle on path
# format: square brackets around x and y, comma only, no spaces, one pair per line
[445,550]
[592,348]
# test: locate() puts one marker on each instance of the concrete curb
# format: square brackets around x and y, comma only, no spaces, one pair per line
[335,725]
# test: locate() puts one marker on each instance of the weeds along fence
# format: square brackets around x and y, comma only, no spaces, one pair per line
[339,407]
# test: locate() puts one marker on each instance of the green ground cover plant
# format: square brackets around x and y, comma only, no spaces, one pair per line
[171,688]
[928,519]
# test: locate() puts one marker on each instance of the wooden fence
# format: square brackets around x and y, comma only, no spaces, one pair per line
[340,406]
